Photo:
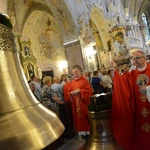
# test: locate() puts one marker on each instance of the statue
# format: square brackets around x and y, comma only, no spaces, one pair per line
[117,47]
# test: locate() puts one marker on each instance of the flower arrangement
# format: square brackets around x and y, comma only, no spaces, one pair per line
[100,102]
[5,21]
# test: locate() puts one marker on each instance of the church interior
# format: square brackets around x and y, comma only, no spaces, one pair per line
[52,36]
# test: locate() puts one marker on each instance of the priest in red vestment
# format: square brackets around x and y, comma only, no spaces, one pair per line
[80,92]
[131,105]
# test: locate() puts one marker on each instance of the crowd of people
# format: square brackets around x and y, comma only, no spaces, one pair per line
[69,97]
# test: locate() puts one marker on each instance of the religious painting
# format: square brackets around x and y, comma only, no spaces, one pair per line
[74,56]
[27,58]
[50,46]
[30,68]
[26,50]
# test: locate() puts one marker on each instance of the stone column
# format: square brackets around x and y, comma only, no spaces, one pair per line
[3,6]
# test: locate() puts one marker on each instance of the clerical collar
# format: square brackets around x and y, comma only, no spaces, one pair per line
[142,69]
[77,78]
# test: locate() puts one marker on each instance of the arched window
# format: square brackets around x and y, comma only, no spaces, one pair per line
[145,21]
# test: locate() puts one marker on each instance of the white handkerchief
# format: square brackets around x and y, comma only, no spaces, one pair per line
[148,93]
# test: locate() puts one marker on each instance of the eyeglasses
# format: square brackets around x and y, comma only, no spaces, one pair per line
[136,58]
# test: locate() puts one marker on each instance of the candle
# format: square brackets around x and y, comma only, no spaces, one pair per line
[110,57]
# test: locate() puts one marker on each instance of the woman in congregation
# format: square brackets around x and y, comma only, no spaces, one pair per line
[49,97]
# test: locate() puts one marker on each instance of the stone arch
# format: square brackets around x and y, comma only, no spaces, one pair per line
[47,71]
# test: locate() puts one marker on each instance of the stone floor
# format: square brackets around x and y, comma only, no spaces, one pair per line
[72,144]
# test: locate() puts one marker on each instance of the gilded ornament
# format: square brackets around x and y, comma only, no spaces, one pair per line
[143,97]
[146,127]
[6,39]
[145,112]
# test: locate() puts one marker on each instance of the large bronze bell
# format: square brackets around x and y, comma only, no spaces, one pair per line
[24,123]
[101,133]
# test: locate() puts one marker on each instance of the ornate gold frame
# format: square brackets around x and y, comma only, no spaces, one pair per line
[28,61]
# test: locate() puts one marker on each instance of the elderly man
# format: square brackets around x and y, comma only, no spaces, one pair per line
[80,92]
[131,105]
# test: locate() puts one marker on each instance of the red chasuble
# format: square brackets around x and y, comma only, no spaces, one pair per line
[131,110]
[65,90]
[80,102]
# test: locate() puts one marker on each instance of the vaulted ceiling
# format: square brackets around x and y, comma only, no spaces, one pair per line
[59,20]
[68,23]
[137,7]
